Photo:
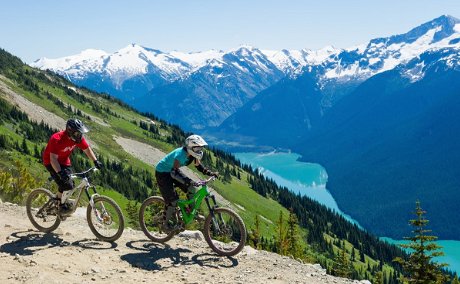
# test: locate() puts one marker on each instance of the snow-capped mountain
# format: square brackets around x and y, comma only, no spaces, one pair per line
[147,78]
[135,60]
[208,95]
[383,54]
[138,74]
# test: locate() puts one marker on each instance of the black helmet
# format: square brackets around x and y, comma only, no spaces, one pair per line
[75,129]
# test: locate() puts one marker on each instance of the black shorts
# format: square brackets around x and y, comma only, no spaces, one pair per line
[63,186]
[166,184]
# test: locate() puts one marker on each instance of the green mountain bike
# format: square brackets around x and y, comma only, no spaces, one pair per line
[224,230]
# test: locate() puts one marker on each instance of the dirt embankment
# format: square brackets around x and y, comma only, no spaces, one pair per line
[72,255]
[34,112]
[37,113]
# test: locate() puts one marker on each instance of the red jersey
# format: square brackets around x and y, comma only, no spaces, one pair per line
[61,145]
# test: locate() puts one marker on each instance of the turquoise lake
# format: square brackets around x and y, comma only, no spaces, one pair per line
[310,179]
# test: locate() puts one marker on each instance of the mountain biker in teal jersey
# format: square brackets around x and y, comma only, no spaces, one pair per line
[169,175]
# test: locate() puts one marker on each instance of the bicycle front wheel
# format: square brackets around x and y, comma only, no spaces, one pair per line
[225,232]
[105,219]
[151,218]
[42,210]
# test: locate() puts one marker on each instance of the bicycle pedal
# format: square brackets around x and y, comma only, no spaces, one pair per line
[179,229]
[200,218]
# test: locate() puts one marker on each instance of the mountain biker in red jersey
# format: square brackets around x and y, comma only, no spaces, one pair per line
[169,175]
[57,153]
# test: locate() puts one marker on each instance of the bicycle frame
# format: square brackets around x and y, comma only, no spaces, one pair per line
[197,199]
[84,184]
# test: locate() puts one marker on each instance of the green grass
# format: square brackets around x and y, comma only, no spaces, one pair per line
[239,194]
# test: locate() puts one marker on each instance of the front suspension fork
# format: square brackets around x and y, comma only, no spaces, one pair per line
[211,211]
[99,215]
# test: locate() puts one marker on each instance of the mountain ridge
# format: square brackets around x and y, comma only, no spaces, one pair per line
[136,74]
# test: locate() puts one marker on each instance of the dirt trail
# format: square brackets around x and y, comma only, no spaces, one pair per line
[37,113]
[34,112]
[72,255]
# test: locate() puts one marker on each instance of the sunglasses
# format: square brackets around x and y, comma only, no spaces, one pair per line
[197,149]
[76,135]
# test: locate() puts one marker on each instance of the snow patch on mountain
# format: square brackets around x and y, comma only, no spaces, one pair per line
[354,63]
[197,59]
[383,55]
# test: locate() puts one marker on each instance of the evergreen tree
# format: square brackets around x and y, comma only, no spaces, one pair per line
[361,256]
[37,153]
[255,235]
[342,264]
[281,244]
[292,238]
[132,212]
[16,184]
[24,147]
[3,141]
[419,267]
[455,279]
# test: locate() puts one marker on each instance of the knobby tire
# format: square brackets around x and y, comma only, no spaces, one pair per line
[209,227]
[120,219]
[31,202]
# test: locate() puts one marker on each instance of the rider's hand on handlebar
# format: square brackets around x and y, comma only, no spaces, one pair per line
[63,175]
[98,164]
[214,174]
[195,183]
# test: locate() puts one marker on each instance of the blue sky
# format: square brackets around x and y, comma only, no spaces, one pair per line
[56,28]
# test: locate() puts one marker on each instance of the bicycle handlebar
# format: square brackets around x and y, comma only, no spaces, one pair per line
[206,181]
[84,173]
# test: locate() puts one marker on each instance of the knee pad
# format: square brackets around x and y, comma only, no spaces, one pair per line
[65,186]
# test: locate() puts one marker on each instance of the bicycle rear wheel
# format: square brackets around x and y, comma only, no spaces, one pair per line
[225,232]
[42,210]
[105,219]
[151,218]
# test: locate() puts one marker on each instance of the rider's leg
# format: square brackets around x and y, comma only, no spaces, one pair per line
[191,191]
[166,186]
[170,210]
[63,185]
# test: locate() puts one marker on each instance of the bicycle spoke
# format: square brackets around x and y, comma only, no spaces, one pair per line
[225,232]
[105,219]
[151,218]
[42,210]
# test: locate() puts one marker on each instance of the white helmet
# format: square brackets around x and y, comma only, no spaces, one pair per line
[194,145]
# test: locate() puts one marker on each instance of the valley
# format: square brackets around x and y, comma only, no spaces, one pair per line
[380,116]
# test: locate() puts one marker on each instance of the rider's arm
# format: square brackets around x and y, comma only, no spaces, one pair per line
[89,152]
[55,163]
[177,174]
[204,170]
